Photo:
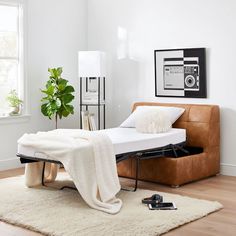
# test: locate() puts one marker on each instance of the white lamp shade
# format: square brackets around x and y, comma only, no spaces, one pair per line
[91,64]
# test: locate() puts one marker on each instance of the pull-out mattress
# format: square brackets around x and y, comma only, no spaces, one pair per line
[127,140]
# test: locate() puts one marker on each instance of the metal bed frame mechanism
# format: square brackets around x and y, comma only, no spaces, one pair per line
[166,151]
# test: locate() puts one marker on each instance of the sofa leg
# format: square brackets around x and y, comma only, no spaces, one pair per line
[174,186]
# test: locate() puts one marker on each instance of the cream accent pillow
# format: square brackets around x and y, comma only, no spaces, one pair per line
[153,121]
[174,114]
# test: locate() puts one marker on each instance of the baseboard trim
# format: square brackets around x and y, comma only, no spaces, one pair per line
[10,164]
[228,169]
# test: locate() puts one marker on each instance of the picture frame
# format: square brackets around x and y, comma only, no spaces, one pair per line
[180,73]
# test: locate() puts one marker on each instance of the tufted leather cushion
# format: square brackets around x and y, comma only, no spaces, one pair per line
[202,124]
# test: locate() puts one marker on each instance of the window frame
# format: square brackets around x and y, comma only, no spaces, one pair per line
[22,79]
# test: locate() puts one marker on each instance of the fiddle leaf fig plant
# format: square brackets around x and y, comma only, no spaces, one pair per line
[57,102]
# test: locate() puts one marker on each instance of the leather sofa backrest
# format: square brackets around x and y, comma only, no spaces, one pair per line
[202,123]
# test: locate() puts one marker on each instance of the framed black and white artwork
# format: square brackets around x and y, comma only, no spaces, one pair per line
[180,73]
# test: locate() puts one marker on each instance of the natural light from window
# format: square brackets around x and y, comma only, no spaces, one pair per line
[10,55]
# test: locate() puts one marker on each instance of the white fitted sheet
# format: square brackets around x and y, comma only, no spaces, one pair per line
[128,140]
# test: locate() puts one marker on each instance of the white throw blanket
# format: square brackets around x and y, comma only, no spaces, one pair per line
[89,159]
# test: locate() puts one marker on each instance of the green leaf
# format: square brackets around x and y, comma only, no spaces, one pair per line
[44,109]
[52,106]
[43,91]
[59,71]
[67,98]
[69,108]
[48,84]
[65,113]
[62,84]
[51,71]
[62,81]
[49,91]
[44,99]
[54,70]
[68,89]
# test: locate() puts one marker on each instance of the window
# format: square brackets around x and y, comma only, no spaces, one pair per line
[11,56]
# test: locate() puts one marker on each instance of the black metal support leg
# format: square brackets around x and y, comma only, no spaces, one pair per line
[86,89]
[64,187]
[44,163]
[104,98]
[99,103]
[137,173]
[104,117]
[137,159]
[43,184]
[81,87]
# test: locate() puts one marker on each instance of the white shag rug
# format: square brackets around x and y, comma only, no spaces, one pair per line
[56,212]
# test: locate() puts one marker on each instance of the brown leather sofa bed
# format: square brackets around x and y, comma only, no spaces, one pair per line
[202,124]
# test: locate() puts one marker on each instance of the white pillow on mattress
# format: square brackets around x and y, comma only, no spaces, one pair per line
[153,121]
[174,114]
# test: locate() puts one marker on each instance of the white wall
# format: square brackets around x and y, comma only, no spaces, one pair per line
[157,24]
[57,30]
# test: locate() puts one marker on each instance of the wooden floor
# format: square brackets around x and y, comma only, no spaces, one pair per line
[220,188]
